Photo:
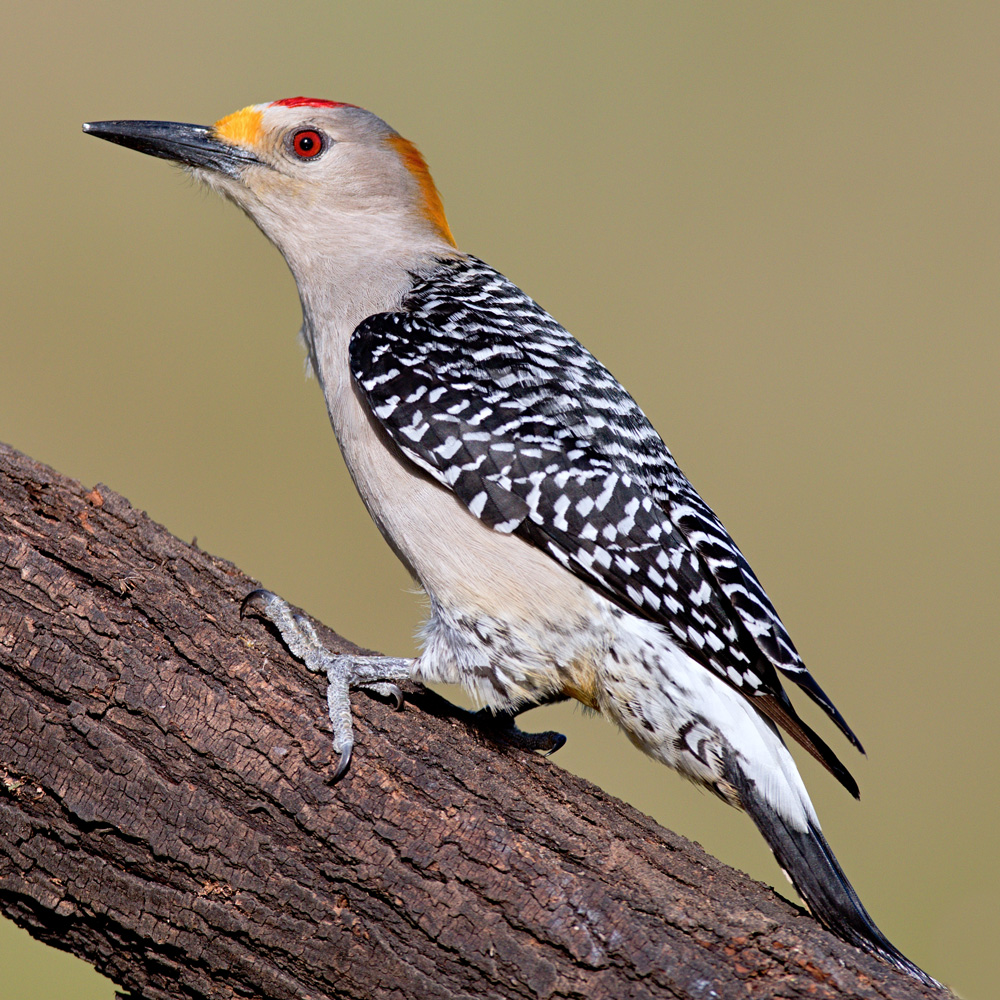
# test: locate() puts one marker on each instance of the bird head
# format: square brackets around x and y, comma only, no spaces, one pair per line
[318,177]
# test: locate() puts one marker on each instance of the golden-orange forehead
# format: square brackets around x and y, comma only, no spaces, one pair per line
[243,127]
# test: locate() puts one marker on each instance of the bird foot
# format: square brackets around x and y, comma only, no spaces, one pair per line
[377,674]
[501,727]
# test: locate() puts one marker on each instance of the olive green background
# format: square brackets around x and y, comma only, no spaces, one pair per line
[776,223]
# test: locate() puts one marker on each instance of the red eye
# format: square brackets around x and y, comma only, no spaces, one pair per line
[307,143]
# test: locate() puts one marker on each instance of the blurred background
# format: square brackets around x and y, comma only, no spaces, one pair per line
[777,224]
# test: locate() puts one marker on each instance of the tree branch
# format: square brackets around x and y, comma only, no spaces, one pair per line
[165,811]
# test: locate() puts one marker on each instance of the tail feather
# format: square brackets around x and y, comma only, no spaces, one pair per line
[807,859]
[786,717]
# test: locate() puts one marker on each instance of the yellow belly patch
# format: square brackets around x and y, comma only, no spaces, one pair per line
[580,682]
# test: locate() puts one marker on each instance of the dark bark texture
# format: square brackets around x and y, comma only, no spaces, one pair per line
[166,813]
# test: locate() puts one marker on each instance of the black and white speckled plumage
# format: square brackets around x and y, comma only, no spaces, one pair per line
[583,564]
[486,392]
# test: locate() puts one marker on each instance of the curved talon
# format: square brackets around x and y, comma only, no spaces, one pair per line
[396,693]
[385,689]
[342,765]
[343,671]
[255,598]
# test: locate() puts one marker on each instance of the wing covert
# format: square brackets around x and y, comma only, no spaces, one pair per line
[492,398]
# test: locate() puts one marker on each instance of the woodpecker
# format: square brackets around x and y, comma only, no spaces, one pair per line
[562,550]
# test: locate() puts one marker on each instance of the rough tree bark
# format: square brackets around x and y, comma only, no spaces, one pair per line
[165,811]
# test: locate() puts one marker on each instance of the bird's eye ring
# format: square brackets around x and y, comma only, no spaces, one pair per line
[307,144]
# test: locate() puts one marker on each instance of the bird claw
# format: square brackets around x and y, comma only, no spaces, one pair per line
[501,727]
[342,765]
[386,690]
[254,603]
[376,674]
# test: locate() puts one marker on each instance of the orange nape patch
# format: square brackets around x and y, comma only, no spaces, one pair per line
[415,163]
[241,128]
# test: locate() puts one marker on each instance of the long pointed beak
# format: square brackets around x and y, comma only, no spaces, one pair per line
[194,145]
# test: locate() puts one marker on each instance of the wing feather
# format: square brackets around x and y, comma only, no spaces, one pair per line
[484,391]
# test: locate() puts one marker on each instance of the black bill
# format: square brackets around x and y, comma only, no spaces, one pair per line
[194,145]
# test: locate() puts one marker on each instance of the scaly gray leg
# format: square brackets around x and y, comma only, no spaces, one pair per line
[343,671]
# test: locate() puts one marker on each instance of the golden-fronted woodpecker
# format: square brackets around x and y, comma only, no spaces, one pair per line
[563,552]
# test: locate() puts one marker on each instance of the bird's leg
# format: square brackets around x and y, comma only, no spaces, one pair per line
[377,674]
[500,725]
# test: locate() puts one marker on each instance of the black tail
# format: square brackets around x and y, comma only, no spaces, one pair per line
[817,876]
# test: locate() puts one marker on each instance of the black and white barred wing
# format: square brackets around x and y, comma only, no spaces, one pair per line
[745,594]
[488,394]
